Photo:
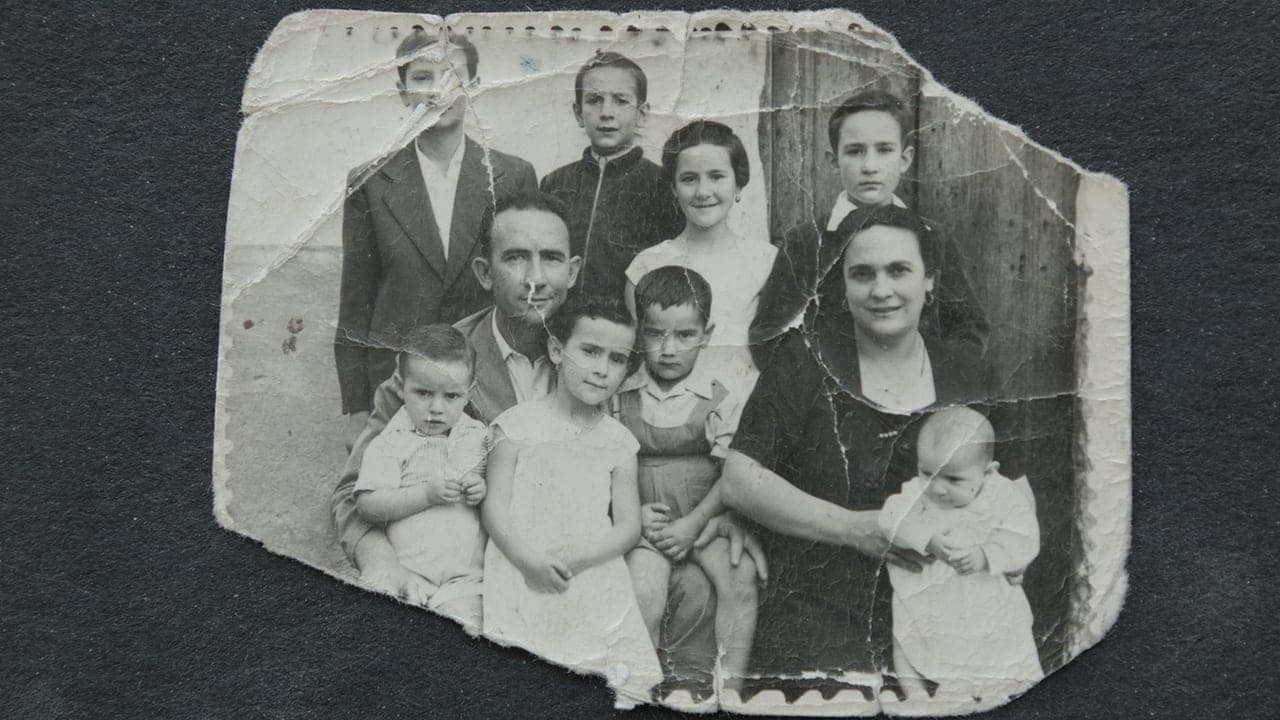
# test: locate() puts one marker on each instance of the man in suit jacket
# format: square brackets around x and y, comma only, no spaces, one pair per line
[410,222]
[526,268]
[525,265]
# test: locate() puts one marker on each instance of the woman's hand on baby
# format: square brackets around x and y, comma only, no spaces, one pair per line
[473,488]
[865,537]
[545,573]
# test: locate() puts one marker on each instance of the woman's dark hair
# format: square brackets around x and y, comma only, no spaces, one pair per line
[707,132]
[892,216]
[561,324]
[831,257]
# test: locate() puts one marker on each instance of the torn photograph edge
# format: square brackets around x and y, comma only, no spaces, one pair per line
[1097,225]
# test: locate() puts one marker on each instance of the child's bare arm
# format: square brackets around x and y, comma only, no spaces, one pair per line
[720,427]
[710,506]
[495,512]
[379,497]
[391,504]
[625,532]
[542,572]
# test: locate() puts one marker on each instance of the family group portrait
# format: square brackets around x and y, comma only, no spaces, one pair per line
[737,363]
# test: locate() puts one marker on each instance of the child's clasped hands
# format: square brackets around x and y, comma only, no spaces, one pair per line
[965,559]
[468,488]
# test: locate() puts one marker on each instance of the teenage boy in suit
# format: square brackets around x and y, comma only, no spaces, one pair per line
[410,222]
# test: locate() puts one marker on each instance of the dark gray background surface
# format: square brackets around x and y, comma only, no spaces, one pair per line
[120,597]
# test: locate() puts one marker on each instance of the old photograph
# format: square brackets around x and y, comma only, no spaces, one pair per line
[728,357]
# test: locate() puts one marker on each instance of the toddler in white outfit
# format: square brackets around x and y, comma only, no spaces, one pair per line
[423,476]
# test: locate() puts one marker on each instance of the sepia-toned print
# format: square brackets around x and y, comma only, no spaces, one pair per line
[727,357]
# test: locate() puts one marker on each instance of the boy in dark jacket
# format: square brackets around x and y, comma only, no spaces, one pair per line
[619,202]
[410,223]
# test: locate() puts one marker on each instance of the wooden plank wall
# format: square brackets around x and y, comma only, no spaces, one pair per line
[1010,208]
[1009,205]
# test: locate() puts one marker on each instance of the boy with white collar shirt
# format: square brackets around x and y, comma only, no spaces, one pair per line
[684,419]
[870,151]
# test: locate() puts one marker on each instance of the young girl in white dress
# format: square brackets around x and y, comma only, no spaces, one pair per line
[708,168]
[563,509]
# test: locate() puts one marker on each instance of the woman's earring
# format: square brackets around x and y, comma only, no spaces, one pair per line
[928,298]
[737,198]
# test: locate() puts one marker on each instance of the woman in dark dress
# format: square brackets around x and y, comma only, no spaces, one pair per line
[828,434]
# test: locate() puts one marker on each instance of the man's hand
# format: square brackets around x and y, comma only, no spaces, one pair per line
[654,517]
[391,577]
[473,488]
[726,525]
[354,425]
[545,573]
[676,539]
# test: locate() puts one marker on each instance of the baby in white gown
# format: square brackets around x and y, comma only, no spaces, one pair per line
[962,622]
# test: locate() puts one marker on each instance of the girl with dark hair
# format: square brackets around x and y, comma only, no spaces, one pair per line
[563,509]
[708,168]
